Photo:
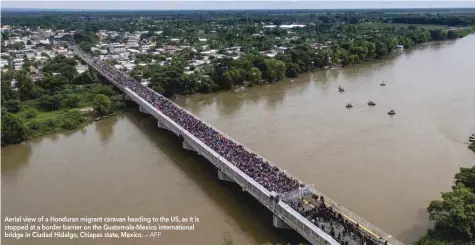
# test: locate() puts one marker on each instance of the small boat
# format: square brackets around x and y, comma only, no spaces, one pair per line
[471,138]
[371,103]
[391,112]
[382,84]
[340,89]
[349,105]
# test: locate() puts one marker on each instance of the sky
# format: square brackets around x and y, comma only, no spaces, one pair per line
[229,4]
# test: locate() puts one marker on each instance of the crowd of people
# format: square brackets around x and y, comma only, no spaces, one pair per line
[269,176]
[333,223]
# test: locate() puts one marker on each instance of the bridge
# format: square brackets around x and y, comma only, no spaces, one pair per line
[302,208]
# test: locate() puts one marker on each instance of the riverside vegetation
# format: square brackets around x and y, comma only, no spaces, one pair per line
[61,101]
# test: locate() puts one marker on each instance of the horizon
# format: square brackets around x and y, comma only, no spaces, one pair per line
[227,5]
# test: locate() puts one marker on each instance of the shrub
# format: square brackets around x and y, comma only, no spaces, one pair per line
[30,113]
[34,125]
[13,105]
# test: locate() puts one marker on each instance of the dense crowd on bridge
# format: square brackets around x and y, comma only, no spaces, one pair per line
[269,176]
[333,223]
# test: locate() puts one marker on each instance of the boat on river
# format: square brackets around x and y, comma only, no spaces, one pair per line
[349,105]
[391,112]
[382,84]
[471,138]
[371,103]
[340,89]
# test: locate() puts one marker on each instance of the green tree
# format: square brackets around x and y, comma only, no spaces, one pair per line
[438,34]
[53,83]
[454,215]
[7,90]
[101,103]
[13,128]
[72,101]
[50,103]
[255,75]
[466,177]
[85,78]
[27,89]
[13,105]
[275,70]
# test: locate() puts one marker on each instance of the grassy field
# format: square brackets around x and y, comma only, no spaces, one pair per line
[380,25]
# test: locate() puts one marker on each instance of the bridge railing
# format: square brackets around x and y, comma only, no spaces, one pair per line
[366,226]
[303,226]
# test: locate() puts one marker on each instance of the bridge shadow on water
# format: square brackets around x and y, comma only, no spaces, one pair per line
[253,218]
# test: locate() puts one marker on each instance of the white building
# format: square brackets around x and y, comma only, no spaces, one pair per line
[81,68]
[28,52]
[115,48]
[3,63]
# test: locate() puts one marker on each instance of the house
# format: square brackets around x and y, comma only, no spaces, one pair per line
[271,55]
[281,49]
[81,68]
[33,69]
[291,26]
[3,63]
[21,53]
[13,84]
[115,48]
[174,41]
[209,52]
[62,51]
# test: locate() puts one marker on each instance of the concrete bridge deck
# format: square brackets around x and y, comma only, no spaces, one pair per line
[285,216]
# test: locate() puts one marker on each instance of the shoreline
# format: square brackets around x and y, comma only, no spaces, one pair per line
[90,118]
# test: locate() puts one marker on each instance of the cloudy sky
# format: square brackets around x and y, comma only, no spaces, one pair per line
[236,4]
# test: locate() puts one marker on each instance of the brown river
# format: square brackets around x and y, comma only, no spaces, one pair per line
[386,169]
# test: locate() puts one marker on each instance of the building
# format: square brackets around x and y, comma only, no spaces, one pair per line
[3,63]
[62,51]
[174,41]
[116,48]
[21,53]
[81,68]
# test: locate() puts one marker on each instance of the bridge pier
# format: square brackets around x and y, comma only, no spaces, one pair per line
[222,176]
[187,146]
[143,110]
[161,125]
[279,223]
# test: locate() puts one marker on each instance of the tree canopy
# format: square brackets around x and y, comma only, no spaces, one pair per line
[454,215]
